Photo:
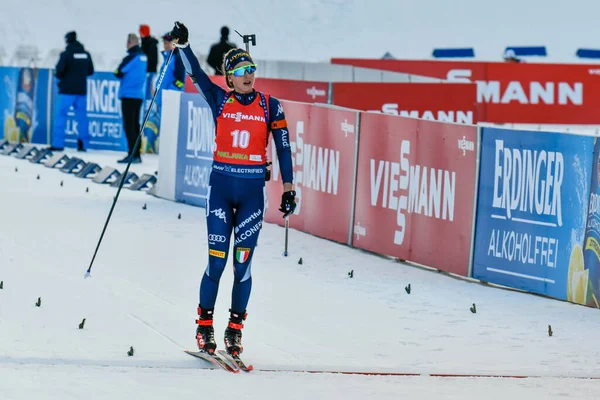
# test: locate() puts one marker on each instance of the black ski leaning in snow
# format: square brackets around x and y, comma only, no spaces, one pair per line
[236,361]
[213,359]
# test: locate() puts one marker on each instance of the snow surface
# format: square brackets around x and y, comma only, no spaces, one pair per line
[144,292]
[307,30]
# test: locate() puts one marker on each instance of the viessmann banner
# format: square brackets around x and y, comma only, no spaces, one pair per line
[447,102]
[415,190]
[534,189]
[323,143]
[515,93]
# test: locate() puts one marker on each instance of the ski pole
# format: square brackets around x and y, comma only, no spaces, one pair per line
[287,229]
[135,147]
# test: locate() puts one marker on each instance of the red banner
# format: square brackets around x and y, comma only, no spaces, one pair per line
[305,91]
[450,102]
[415,186]
[450,70]
[323,143]
[514,92]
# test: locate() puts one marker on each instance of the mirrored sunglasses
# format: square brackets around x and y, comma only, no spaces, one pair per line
[241,71]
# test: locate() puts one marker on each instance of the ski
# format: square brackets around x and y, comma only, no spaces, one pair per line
[213,359]
[236,361]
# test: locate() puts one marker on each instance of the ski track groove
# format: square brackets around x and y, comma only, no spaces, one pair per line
[165,336]
[7,361]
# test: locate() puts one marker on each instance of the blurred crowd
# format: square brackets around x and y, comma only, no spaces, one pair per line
[137,72]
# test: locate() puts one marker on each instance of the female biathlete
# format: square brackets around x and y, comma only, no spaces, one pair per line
[236,194]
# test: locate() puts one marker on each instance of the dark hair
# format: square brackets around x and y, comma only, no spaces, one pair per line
[71,37]
[225,32]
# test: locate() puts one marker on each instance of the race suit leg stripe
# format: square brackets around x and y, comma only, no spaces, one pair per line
[248,219]
[219,221]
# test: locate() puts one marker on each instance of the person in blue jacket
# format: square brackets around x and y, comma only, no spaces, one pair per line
[132,73]
[174,78]
[73,67]
[236,193]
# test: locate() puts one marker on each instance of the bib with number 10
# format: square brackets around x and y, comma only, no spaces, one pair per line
[242,134]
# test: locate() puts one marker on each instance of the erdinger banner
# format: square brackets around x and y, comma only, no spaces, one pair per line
[285,89]
[532,212]
[447,102]
[194,150]
[105,122]
[514,92]
[583,282]
[415,187]
[323,143]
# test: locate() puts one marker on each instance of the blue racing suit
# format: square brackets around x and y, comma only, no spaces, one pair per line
[236,196]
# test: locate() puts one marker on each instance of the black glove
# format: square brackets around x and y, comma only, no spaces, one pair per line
[180,31]
[288,203]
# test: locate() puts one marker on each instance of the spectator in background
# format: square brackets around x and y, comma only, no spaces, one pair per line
[218,50]
[150,48]
[73,67]
[510,56]
[175,75]
[132,73]
[174,79]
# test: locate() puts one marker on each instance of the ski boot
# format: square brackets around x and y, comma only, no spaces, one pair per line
[205,333]
[233,333]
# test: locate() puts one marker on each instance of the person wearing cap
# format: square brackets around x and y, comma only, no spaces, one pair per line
[73,67]
[150,48]
[132,74]
[174,78]
[236,194]
[218,50]
[510,56]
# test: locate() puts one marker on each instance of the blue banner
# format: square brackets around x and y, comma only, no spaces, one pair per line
[24,104]
[532,209]
[103,112]
[150,133]
[194,150]
[584,268]
[41,127]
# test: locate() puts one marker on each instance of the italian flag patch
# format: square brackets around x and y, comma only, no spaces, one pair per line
[241,254]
